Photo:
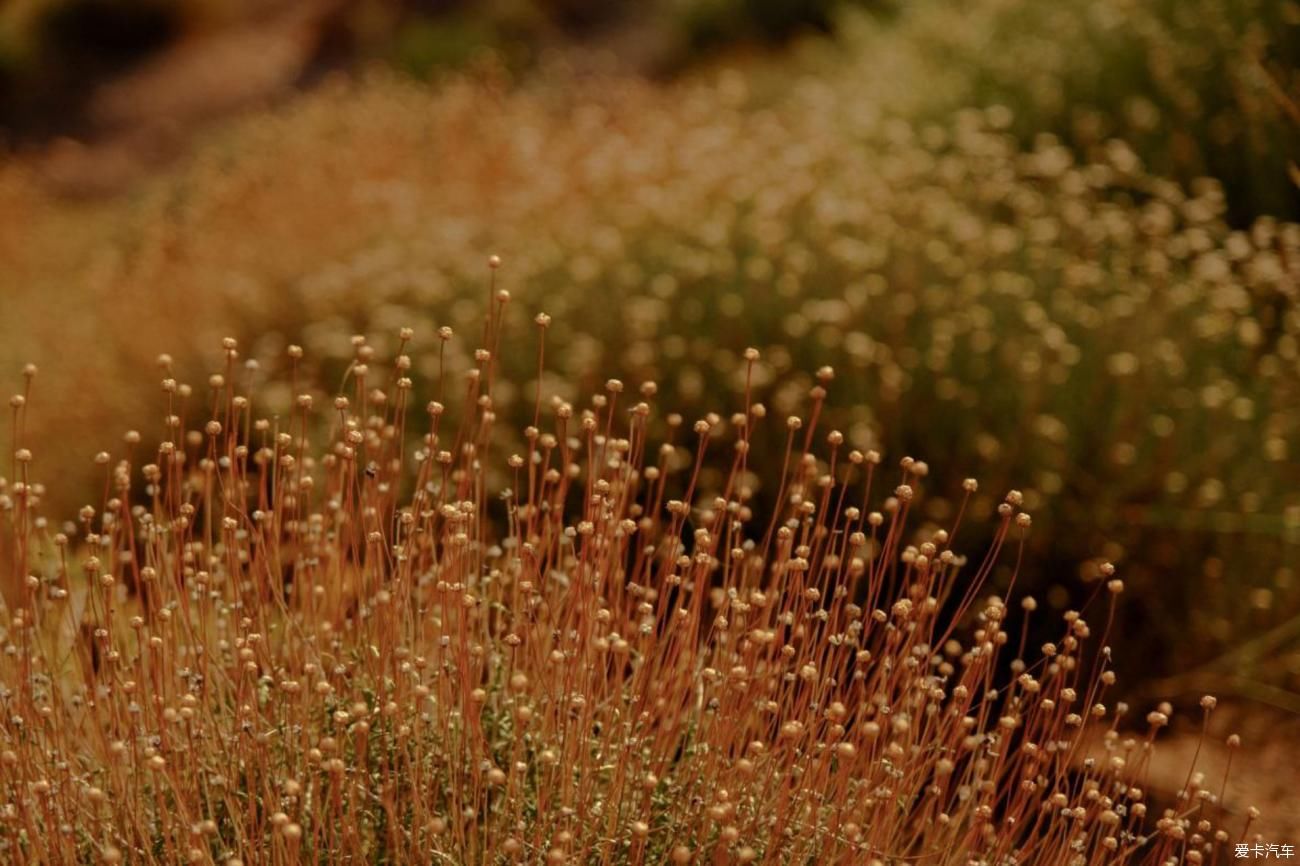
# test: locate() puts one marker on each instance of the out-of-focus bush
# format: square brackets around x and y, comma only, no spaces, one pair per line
[52,52]
[1083,330]
[428,37]
[1196,87]
[426,45]
[718,22]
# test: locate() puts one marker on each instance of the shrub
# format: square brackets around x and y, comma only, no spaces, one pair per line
[291,638]
[1195,88]
[1090,331]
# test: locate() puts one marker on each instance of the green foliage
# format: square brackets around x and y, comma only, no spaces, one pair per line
[424,46]
[1196,88]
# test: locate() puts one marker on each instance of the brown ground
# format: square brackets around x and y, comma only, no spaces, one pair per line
[1264,772]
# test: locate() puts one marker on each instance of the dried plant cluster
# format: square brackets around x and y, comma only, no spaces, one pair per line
[297,639]
[981,299]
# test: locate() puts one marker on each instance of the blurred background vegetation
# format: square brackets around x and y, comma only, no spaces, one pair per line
[1050,245]
[1199,88]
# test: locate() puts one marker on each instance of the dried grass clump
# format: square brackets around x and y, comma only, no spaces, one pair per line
[982,300]
[296,639]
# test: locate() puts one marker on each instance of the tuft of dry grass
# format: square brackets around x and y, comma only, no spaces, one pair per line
[981,299]
[294,638]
